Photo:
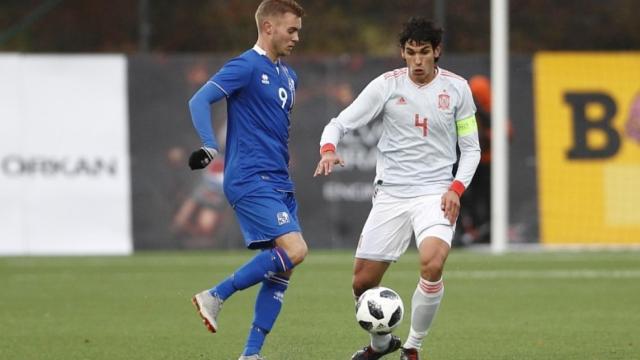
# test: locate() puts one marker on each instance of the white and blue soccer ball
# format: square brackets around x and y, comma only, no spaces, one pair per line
[379,310]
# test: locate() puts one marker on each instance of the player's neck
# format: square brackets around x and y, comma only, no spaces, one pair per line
[269,52]
[421,81]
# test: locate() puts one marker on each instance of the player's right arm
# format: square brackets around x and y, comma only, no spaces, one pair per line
[364,108]
[231,78]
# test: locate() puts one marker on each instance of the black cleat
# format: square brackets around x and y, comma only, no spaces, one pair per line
[369,354]
[409,354]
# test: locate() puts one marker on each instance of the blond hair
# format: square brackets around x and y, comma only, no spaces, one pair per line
[268,8]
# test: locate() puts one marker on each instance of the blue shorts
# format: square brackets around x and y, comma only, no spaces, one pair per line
[266,214]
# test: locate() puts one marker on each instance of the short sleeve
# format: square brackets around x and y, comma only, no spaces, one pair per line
[233,76]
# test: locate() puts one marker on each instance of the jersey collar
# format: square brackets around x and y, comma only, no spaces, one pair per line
[263,52]
[259,50]
[420,86]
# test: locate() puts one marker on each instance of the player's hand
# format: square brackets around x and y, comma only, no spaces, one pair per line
[202,157]
[326,163]
[450,204]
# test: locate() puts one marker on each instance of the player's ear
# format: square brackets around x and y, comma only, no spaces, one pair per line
[267,27]
[437,51]
[402,52]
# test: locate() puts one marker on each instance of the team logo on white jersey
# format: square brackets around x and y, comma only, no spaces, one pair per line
[443,100]
[283,218]
[265,79]
[401,101]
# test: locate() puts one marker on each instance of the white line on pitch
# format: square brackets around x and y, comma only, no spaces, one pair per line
[543,274]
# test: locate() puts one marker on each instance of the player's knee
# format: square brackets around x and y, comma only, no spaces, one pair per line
[431,270]
[294,246]
[297,252]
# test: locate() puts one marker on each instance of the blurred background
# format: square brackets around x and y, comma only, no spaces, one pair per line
[331,27]
[95,128]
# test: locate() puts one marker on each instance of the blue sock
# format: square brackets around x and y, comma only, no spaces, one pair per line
[255,341]
[268,305]
[256,270]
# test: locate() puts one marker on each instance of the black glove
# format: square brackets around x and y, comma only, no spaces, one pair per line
[200,158]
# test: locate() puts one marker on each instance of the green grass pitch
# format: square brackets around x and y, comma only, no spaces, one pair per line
[566,305]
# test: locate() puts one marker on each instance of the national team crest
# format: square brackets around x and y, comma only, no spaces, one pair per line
[283,218]
[443,100]
[292,85]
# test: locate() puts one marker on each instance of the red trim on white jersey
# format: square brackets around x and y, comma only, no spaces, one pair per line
[450,74]
[395,73]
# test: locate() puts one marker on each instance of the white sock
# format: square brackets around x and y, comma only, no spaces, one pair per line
[424,306]
[380,343]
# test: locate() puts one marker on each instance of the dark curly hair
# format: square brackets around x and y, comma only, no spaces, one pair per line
[421,31]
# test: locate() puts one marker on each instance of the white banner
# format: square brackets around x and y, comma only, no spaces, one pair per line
[64,155]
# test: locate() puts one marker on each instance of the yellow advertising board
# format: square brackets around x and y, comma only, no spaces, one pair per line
[587,124]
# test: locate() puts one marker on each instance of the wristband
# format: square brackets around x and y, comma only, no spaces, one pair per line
[327,147]
[457,187]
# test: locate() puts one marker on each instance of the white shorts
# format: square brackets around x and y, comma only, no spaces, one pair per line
[392,221]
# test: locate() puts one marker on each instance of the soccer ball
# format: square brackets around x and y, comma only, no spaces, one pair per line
[379,310]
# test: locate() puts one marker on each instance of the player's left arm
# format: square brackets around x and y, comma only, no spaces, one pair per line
[467,132]
[200,108]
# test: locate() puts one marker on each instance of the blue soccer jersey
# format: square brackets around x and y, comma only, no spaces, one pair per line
[260,95]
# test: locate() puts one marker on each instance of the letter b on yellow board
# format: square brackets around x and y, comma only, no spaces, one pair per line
[587,124]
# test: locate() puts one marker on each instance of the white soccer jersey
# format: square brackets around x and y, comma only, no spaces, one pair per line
[421,125]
